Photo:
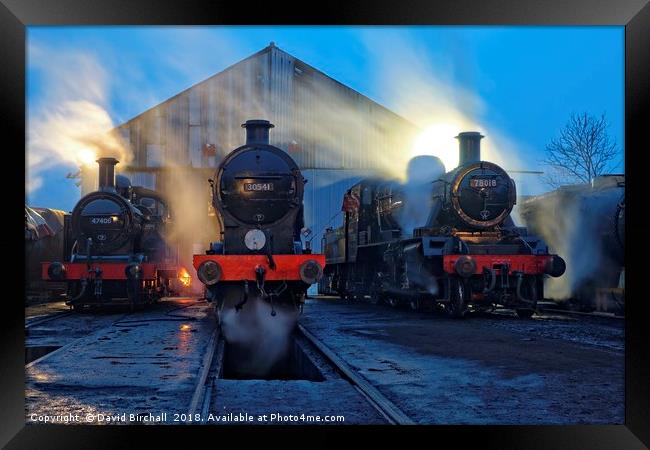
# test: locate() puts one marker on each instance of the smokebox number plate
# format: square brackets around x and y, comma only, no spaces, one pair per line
[483,182]
[258,187]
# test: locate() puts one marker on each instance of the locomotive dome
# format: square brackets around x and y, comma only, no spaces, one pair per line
[123,186]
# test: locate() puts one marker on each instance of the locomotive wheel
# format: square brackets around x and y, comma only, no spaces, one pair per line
[528,291]
[459,294]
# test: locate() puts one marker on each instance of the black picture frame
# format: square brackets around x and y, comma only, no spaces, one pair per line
[15,15]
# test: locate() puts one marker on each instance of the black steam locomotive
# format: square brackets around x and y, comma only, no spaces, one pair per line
[440,239]
[258,191]
[114,246]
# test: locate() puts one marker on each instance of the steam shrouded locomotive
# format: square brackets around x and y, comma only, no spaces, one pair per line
[442,238]
[587,223]
[114,248]
[258,191]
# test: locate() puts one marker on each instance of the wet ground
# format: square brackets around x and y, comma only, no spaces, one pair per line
[491,369]
[40,309]
[112,367]
[138,364]
[54,324]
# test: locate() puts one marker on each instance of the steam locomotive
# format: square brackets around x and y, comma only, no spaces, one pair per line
[114,246]
[595,211]
[442,239]
[258,192]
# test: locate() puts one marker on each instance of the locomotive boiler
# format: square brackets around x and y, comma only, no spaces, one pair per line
[258,192]
[443,239]
[114,248]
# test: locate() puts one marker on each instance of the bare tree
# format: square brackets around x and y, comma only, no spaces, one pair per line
[582,151]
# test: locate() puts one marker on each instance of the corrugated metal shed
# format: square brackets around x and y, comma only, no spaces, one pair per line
[334,133]
[323,199]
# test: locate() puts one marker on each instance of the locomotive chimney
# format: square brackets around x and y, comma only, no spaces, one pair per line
[257,131]
[469,147]
[107,173]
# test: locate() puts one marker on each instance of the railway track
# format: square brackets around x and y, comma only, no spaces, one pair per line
[67,346]
[380,402]
[213,363]
[553,313]
[208,374]
[598,316]
[40,320]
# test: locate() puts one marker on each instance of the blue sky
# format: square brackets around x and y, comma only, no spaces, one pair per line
[519,83]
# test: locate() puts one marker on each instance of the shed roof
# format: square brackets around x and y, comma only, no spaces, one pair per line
[267,49]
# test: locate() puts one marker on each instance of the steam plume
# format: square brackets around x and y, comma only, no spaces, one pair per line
[260,340]
[71,125]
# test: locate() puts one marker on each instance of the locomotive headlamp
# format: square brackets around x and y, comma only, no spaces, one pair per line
[465,266]
[310,271]
[132,271]
[209,273]
[56,271]
[255,239]
[555,266]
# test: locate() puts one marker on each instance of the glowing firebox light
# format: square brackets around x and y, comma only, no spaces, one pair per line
[185,327]
[184,277]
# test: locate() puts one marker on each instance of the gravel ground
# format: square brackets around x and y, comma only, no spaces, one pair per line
[483,370]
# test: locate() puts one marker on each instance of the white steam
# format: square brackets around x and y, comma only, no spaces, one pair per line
[259,339]
[422,88]
[577,227]
[70,125]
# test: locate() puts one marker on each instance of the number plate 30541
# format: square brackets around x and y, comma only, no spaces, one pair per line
[254,187]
